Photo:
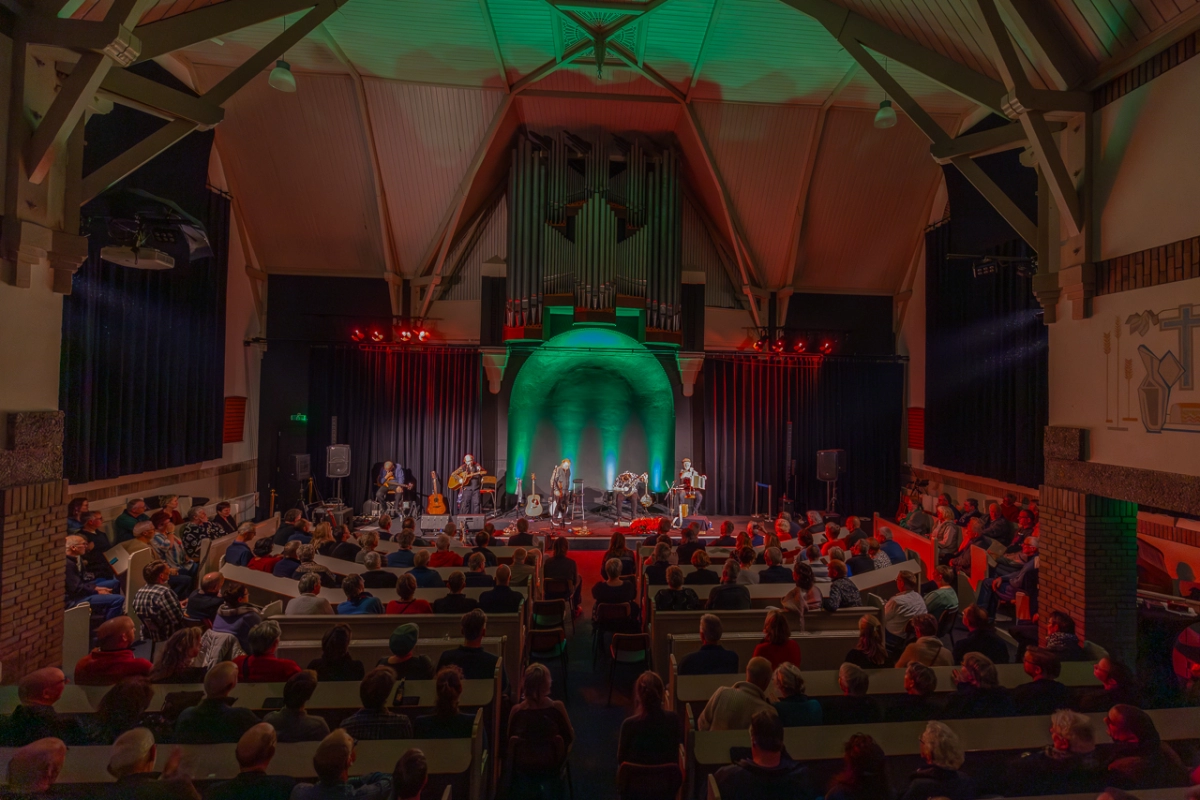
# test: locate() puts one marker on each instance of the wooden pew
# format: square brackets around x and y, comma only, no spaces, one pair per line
[818,651]
[923,546]
[370,651]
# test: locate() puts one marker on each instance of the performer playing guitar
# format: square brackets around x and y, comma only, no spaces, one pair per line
[560,485]
[469,476]
[395,477]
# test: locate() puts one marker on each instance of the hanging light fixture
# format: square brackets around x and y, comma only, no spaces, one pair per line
[282,77]
[885,117]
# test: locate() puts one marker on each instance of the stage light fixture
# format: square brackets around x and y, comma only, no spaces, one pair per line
[800,346]
[760,345]
[357,335]
[826,347]
[423,336]
[779,344]
[405,335]
[376,335]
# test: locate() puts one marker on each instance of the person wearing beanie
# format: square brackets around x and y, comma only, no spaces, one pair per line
[402,661]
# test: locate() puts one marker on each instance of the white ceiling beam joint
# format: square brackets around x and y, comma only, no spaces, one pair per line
[993,140]
[570,54]
[123,85]
[647,72]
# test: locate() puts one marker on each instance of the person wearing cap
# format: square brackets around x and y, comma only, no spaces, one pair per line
[332,761]
[402,661]
[214,720]
[1025,579]
[132,763]
[34,717]
[114,658]
[34,768]
[254,752]
[293,723]
[472,476]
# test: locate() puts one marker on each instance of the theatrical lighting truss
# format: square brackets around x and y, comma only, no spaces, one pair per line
[981,265]
[402,332]
[797,342]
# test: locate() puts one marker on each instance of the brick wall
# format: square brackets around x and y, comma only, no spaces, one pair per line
[33,530]
[1089,566]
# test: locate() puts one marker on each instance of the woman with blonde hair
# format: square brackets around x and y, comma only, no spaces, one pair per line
[979,692]
[870,652]
[940,777]
[174,661]
[322,539]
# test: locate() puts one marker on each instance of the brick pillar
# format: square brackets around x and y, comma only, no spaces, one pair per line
[33,527]
[1089,566]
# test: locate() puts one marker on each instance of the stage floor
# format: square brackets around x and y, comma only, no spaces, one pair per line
[600,528]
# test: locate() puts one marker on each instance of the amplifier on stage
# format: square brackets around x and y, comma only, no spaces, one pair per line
[472,522]
[434,522]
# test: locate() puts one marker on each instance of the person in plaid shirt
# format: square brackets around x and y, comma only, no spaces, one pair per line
[156,605]
[374,720]
[197,529]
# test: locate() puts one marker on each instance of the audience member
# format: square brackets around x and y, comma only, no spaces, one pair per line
[775,571]
[1009,508]
[375,576]
[690,545]
[347,548]
[655,570]
[358,599]
[203,603]
[114,658]
[1138,758]
[853,706]
[927,649]
[34,716]
[918,703]
[522,538]
[879,559]
[122,708]
[215,720]
[560,567]
[1068,765]
[426,576]
[905,604]
[446,722]
[135,512]
[978,691]
[538,717]
[725,539]
[947,536]
[302,532]
[307,554]
[76,509]
[804,596]
[731,707]
[711,658]
[701,575]
[332,763]
[972,537]
[286,528]
[167,547]
[940,777]
[820,568]
[375,720]
[444,556]
[335,662]
[293,723]
[403,556]
[1060,636]
[254,752]
[730,594]
[1118,684]
[455,602]
[997,527]
[860,562]
[94,559]
[746,559]
[238,553]
[131,762]
[475,662]
[83,586]
[890,547]
[477,571]
[156,605]
[196,529]
[482,539]
[368,542]
[614,591]
[1044,694]
[309,600]
[402,661]
[676,597]
[842,591]
[869,652]
[794,707]
[236,616]
[406,601]
[864,772]
[501,598]
[323,540]
[768,774]
[968,512]
[916,519]
[289,561]
[33,770]
[175,660]
[945,597]
[224,516]
[261,665]
[778,646]
[1005,587]
[651,735]
[981,637]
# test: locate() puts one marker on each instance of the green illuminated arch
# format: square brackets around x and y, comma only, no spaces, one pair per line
[592,376]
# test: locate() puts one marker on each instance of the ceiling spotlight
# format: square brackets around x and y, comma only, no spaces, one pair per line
[423,336]
[800,346]
[826,347]
[357,335]
[761,344]
[885,117]
[283,80]
[778,345]
[405,335]
[376,335]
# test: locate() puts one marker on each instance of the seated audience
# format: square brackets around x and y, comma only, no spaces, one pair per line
[870,652]
[286,528]
[260,664]
[404,555]
[968,512]
[941,776]
[131,762]
[203,603]
[167,546]
[477,571]
[446,722]
[34,716]
[224,517]
[820,568]
[978,691]
[425,575]
[406,601]
[794,707]
[927,649]
[775,571]
[195,529]
[853,706]
[332,763]
[156,605]
[864,772]
[358,599]
[1138,758]
[918,703]
[368,542]
[347,548]
[455,602]
[1068,765]
[475,662]
[123,708]
[997,527]
[376,577]
[730,594]
[335,663]
[237,616]
[860,561]
[307,553]
[215,720]
[676,597]
[946,536]
[916,519]
[1005,587]
[731,707]
[76,509]
[522,538]
[289,561]
[175,659]
[482,539]
[322,540]
[805,596]
[238,553]
[651,735]
[725,537]
[135,512]
[1061,638]
[614,591]
[656,567]
[114,658]
[402,661]
[842,591]
[444,556]
[538,718]
[501,598]
[746,559]
[375,720]
[1044,694]
[309,600]
[1118,684]
[94,559]
[83,586]
[768,774]
[890,547]
[254,752]
[981,637]
[560,567]
[900,608]
[711,658]
[879,559]
[945,597]
[519,571]
[33,770]
[293,723]
[833,540]
[690,545]
[778,646]
[972,537]
[701,575]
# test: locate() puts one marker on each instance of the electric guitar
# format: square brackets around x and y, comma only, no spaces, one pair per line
[437,501]
[533,503]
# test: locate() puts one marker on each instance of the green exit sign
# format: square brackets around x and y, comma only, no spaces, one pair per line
[299,417]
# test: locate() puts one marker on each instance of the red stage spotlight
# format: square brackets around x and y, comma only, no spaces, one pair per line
[376,335]
[357,335]
[800,346]
[423,336]
[405,335]
[826,347]
[778,345]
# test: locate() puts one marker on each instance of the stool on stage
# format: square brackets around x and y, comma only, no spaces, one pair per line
[487,488]
[577,509]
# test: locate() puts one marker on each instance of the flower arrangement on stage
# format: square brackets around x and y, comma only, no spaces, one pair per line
[643,525]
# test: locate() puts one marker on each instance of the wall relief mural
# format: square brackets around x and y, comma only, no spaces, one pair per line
[1152,378]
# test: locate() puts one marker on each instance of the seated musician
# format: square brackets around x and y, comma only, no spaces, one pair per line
[387,482]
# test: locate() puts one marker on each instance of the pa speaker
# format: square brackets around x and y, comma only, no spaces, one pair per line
[434,522]
[830,464]
[472,522]
[703,523]
[337,461]
[298,467]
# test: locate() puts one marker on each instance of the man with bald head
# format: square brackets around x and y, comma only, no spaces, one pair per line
[114,658]
[214,720]
[731,707]
[34,718]
[132,761]
[35,767]
[254,752]
[204,602]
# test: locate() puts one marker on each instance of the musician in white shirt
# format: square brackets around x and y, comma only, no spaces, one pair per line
[690,477]
[560,487]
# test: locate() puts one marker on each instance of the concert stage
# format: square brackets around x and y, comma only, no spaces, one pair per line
[601,528]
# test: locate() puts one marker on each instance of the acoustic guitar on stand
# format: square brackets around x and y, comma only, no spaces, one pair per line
[437,501]
[533,503]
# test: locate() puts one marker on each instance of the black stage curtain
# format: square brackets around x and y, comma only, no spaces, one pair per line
[420,408]
[142,373]
[836,403]
[986,396]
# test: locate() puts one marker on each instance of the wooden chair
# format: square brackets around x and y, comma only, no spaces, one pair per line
[535,760]
[609,618]
[549,644]
[640,782]
[487,488]
[627,648]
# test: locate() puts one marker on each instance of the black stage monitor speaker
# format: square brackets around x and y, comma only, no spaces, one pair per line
[703,523]
[434,522]
[830,464]
[472,522]
[337,461]
[298,467]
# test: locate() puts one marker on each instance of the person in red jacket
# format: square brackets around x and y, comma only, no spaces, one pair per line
[261,665]
[444,556]
[113,659]
[263,560]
